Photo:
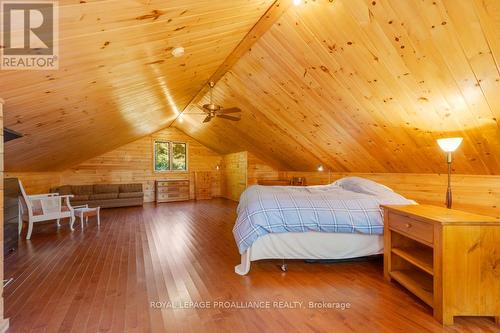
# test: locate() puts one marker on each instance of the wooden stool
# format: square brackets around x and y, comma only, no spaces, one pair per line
[86,212]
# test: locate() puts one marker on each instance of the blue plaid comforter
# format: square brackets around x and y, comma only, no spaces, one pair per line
[271,209]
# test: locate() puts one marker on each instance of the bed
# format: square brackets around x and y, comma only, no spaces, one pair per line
[341,220]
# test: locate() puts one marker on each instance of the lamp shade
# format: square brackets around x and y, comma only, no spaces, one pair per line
[449,144]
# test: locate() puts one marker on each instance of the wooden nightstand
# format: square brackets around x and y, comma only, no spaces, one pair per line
[448,258]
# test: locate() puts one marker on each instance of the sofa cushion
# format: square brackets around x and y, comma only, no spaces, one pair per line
[82,189]
[103,196]
[131,195]
[106,188]
[130,188]
[80,197]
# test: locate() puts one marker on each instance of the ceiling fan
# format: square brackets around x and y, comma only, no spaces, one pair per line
[213,110]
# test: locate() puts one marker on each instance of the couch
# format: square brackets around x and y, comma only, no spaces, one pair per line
[104,195]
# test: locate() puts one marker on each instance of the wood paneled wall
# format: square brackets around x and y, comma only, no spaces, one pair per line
[260,170]
[131,163]
[37,182]
[474,193]
[4,323]
[235,170]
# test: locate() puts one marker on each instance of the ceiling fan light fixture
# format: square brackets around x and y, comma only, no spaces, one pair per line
[213,110]
[212,107]
[178,52]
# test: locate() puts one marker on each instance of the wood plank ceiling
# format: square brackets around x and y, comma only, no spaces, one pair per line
[117,80]
[368,86]
[356,85]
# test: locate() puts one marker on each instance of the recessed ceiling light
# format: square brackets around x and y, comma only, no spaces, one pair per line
[178,52]
[297,2]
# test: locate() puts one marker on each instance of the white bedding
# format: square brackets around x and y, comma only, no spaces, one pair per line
[260,214]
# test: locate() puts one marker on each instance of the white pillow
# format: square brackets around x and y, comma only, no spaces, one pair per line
[361,185]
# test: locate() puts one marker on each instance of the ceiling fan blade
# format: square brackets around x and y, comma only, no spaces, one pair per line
[230,110]
[207,119]
[229,117]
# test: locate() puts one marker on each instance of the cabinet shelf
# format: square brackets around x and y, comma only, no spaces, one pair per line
[416,281]
[420,257]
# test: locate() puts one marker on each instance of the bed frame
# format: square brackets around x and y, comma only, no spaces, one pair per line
[310,245]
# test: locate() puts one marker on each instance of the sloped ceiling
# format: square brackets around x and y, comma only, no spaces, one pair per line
[117,80]
[367,86]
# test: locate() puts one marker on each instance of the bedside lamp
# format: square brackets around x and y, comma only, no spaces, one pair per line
[449,145]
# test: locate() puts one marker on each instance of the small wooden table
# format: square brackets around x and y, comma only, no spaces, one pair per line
[447,258]
[86,212]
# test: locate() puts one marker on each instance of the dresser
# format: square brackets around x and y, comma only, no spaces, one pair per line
[448,258]
[203,185]
[171,190]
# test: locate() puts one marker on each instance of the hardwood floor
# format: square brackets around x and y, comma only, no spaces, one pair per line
[104,280]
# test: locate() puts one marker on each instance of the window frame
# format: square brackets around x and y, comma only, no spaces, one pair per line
[170,144]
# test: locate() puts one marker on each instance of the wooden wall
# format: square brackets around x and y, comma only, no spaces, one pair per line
[234,170]
[474,193]
[131,163]
[259,169]
[37,182]
[4,323]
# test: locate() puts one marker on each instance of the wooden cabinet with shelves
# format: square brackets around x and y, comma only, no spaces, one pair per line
[444,257]
[171,190]
[203,185]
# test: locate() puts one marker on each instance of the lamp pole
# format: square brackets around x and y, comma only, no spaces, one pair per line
[449,199]
[449,145]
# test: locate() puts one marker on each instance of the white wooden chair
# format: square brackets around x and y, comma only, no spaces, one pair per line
[43,207]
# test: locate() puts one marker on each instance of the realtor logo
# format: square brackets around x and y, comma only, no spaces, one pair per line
[29,31]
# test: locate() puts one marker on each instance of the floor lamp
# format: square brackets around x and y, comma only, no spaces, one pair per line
[321,168]
[449,145]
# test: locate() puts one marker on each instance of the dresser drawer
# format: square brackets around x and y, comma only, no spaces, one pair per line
[173,183]
[173,189]
[168,196]
[416,229]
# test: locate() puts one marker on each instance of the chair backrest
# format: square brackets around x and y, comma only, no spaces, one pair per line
[50,205]
[41,205]
[23,198]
